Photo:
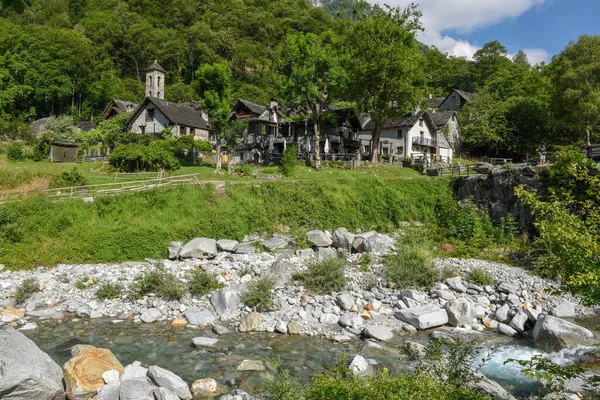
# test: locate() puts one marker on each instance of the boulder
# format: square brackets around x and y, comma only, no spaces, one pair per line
[251,365]
[502,313]
[351,320]
[151,315]
[250,322]
[136,389]
[506,330]
[134,371]
[237,394]
[245,248]
[206,388]
[456,284]
[199,317]
[345,300]
[166,379]
[460,312]
[414,295]
[199,248]
[519,320]
[490,388]
[202,341]
[83,372]
[507,287]
[26,372]
[329,319]
[423,317]
[227,245]
[306,253]
[164,394]
[294,327]
[378,332]
[566,309]
[359,366]
[358,246]
[274,244]
[110,391]
[319,238]
[326,252]
[552,334]
[379,244]
[226,301]
[342,238]
[174,249]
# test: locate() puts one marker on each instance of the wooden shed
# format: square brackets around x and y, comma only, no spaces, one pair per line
[64,152]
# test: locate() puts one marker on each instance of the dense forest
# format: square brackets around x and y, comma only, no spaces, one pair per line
[70,57]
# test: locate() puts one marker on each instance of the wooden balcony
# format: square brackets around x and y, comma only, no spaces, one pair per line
[419,141]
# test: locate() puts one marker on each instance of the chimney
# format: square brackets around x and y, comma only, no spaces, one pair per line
[274,103]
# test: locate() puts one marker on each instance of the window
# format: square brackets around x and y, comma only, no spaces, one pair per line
[386,151]
[400,149]
[421,123]
[150,82]
[149,115]
[400,135]
[158,84]
[158,95]
[143,129]
[367,149]
[192,131]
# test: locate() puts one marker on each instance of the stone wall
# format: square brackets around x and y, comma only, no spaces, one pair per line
[493,190]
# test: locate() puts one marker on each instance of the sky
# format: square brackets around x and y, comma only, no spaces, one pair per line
[541,28]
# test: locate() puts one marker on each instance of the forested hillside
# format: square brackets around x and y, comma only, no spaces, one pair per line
[73,56]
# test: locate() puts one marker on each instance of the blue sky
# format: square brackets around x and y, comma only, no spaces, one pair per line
[542,28]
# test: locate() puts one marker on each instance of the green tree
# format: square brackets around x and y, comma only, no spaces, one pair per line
[309,76]
[489,60]
[18,5]
[385,70]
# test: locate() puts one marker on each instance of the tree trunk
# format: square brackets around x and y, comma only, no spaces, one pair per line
[218,167]
[317,131]
[375,144]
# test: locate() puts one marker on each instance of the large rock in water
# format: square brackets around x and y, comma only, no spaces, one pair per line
[460,312]
[26,372]
[83,372]
[199,248]
[552,333]
[423,317]
[166,379]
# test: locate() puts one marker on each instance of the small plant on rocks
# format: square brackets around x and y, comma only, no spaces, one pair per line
[109,291]
[481,277]
[25,290]
[201,282]
[412,266]
[160,282]
[325,276]
[365,262]
[259,294]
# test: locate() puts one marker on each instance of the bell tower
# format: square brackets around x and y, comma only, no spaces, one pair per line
[155,81]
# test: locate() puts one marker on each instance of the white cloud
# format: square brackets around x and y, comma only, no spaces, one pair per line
[464,16]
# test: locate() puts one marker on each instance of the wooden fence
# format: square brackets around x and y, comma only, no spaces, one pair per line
[455,171]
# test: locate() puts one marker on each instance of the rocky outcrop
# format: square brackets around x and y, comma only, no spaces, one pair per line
[26,372]
[493,190]
[199,248]
[552,333]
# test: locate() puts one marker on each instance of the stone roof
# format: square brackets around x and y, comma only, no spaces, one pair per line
[261,113]
[406,120]
[465,95]
[155,67]
[441,118]
[435,101]
[86,126]
[186,114]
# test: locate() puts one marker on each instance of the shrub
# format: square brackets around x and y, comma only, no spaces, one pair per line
[42,147]
[25,290]
[109,291]
[288,161]
[259,294]
[16,152]
[412,265]
[365,262]
[200,282]
[136,157]
[161,283]
[325,276]
[481,277]
[68,178]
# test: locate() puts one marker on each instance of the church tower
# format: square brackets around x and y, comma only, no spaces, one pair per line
[155,81]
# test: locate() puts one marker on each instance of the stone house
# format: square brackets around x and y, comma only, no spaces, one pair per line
[116,107]
[455,100]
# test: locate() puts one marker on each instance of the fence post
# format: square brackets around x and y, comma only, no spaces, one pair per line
[122,188]
[71,192]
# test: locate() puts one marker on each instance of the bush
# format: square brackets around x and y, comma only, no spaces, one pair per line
[109,291]
[259,294]
[161,283]
[200,283]
[136,157]
[42,147]
[25,290]
[16,152]
[481,277]
[412,265]
[68,178]
[325,276]
[288,161]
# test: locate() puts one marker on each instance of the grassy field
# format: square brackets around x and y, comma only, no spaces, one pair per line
[38,232]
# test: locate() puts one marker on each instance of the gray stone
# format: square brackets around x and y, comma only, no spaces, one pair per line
[134,371]
[342,238]
[414,295]
[174,249]
[226,301]
[519,320]
[294,327]
[379,244]
[136,389]
[423,317]
[151,315]
[227,245]
[164,394]
[220,329]
[329,319]
[26,372]
[502,313]
[110,391]
[351,320]
[456,284]
[306,253]
[251,365]
[444,295]
[199,248]
[237,394]
[359,366]
[460,312]
[507,287]
[561,396]
[245,249]
[196,316]
[274,244]
[505,329]
[532,314]
[345,300]
[490,387]
[513,299]
[326,252]
[166,379]
[281,327]
[552,334]
[319,238]
[358,246]
[566,309]
[379,332]
[416,349]
[110,375]
[202,341]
